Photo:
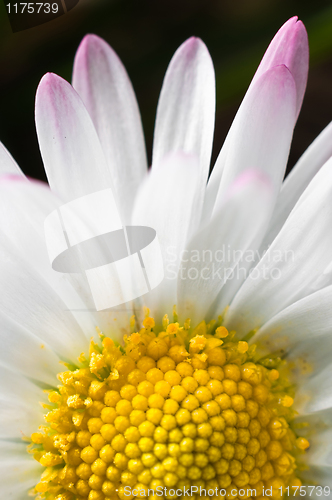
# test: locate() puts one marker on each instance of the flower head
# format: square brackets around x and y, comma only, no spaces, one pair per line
[234,397]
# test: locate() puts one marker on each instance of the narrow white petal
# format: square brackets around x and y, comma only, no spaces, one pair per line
[301,332]
[261,138]
[318,476]
[23,352]
[295,263]
[315,394]
[186,108]
[73,158]
[28,300]
[7,163]
[289,47]
[212,254]
[102,82]
[24,207]
[19,472]
[316,427]
[169,202]
[297,181]
[21,411]
[213,184]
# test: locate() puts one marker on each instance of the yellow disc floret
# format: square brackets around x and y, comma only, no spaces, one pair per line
[169,411]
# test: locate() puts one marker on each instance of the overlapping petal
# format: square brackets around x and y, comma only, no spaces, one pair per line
[316,427]
[212,254]
[20,402]
[24,207]
[18,472]
[289,48]
[103,84]
[28,299]
[169,202]
[295,263]
[40,367]
[303,332]
[322,475]
[297,181]
[262,138]
[73,158]
[7,163]
[315,395]
[186,107]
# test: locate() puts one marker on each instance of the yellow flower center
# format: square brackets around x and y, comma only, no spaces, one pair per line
[172,414]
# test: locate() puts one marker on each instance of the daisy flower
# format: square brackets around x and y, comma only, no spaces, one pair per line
[216,383]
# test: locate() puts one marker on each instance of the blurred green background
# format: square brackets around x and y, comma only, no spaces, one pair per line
[145,34]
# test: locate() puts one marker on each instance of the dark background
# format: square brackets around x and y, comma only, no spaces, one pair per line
[145,34]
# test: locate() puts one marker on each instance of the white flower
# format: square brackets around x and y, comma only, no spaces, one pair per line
[242,238]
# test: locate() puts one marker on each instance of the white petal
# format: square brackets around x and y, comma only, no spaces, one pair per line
[71,149]
[7,163]
[212,254]
[290,48]
[261,138]
[297,181]
[169,203]
[19,472]
[186,108]
[301,332]
[102,82]
[28,300]
[24,353]
[316,427]
[73,158]
[315,394]
[318,476]
[294,264]
[24,207]
[21,411]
